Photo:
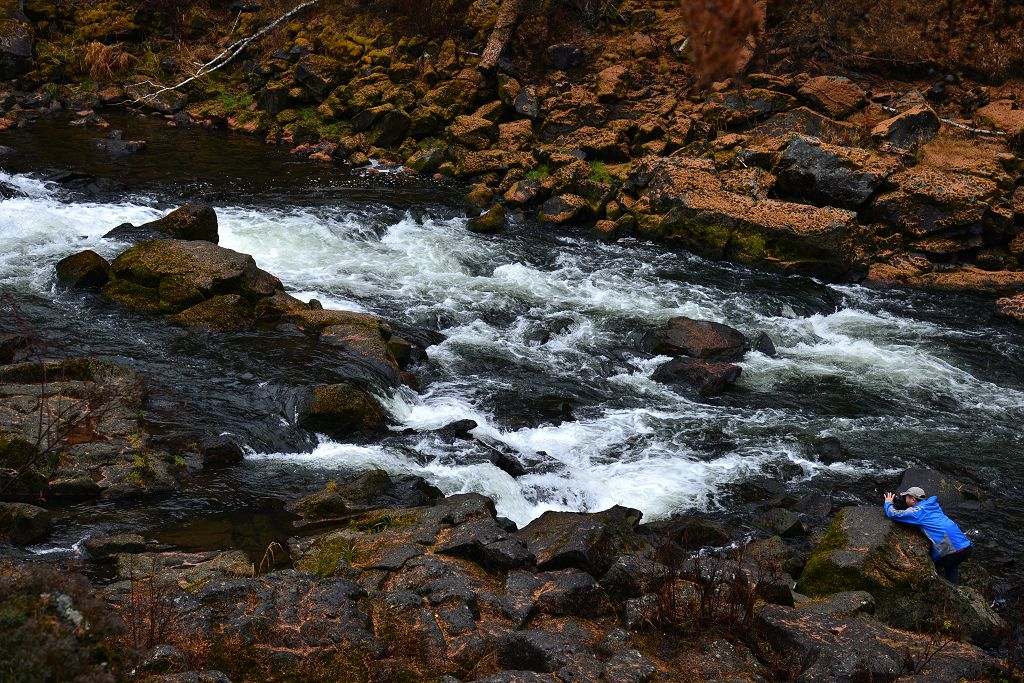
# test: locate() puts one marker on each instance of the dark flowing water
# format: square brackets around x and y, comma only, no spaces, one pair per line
[541,328]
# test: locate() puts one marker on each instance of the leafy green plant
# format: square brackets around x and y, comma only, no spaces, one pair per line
[539,173]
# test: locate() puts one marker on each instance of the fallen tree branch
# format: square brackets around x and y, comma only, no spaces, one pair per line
[226,56]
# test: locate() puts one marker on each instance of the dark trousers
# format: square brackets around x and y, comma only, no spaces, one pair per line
[949,565]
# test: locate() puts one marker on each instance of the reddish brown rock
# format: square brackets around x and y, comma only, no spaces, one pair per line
[710,378]
[1011,307]
[695,338]
[1007,116]
[836,96]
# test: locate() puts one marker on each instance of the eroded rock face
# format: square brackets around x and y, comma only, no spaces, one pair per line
[591,543]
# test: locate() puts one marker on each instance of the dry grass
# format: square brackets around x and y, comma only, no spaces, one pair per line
[106,62]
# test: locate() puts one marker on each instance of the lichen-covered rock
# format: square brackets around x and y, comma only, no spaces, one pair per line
[563,209]
[1011,307]
[16,46]
[929,200]
[83,270]
[223,312]
[612,83]
[829,174]
[962,279]
[492,221]
[837,96]
[472,131]
[318,74]
[820,649]
[589,542]
[1007,116]
[342,410]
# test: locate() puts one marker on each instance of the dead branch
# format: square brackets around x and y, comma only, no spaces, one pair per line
[226,56]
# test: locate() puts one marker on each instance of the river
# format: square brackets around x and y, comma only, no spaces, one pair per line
[540,331]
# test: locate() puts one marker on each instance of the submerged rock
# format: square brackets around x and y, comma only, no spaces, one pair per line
[115,146]
[710,378]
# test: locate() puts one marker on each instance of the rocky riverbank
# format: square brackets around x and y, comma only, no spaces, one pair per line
[846,178]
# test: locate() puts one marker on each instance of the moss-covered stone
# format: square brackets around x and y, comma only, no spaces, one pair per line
[490,222]
[323,504]
[84,269]
[23,524]
[225,311]
[342,410]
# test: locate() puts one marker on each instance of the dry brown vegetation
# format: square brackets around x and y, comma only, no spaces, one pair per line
[106,62]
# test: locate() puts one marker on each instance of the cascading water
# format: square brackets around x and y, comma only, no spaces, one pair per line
[540,332]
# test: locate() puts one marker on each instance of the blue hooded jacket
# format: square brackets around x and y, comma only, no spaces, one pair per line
[943,532]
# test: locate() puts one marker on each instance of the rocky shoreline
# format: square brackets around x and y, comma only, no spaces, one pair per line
[842,178]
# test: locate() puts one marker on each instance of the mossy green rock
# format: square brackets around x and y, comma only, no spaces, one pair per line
[84,269]
[225,311]
[490,222]
[22,524]
[865,551]
[323,504]
[170,276]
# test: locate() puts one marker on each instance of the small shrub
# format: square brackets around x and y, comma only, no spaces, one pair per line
[539,173]
[106,62]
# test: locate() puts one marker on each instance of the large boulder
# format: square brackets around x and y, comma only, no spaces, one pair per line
[745,107]
[318,75]
[765,232]
[16,43]
[169,276]
[829,174]
[695,338]
[589,542]
[953,494]
[929,200]
[710,378]
[190,222]
[864,550]
[815,648]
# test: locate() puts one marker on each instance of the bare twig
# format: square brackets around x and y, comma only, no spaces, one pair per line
[226,56]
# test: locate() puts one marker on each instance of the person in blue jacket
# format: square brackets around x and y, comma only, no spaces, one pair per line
[950,546]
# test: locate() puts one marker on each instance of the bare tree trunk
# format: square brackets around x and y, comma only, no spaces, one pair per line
[509,15]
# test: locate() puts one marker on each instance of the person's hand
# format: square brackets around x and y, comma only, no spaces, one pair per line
[889,496]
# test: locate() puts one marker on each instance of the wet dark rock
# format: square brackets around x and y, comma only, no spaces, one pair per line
[567,592]
[688,532]
[563,209]
[540,651]
[190,222]
[710,378]
[325,504]
[952,494]
[830,450]
[220,451]
[826,650]
[115,146]
[84,183]
[829,174]
[23,524]
[517,677]
[526,102]
[863,550]
[14,347]
[391,128]
[106,547]
[86,269]
[761,489]
[765,345]
[342,410]
[507,461]
[8,191]
[564,56]
[486,543]
[632,576]
[453,431]
[907,130]
[16,46]
[781,522]
[589,542]
[696,338]
[814,505]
